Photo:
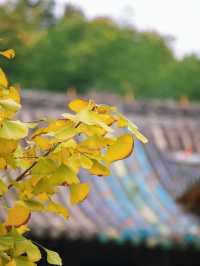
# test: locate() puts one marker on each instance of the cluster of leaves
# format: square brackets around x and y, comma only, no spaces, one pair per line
[50,156]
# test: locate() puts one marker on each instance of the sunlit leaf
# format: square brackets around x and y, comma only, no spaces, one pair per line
[74,163]
[77,105]
[34,205]
[10,105]
[3,230]
[91,118]
[88,117]
[6,242]
[11,263]
[93,130]
[94,143]
[121,148]
[7,146]
[3,187]
[43,143]
[18,215]
[23,261]
[9,54]
[13,130]
[14,94]
[3,163]
[99,169]
[44,186]
[44,166]
[139,136]
[85,162]
[64,176]
[3,79]
[22,229]
[79,192]
[65,133]
[53,257]
[58,208]
[43,197]
[122,122]
[33,252]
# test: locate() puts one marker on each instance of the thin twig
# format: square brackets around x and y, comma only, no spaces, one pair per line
[23,174]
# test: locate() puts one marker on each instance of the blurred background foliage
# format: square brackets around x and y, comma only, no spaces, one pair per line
[60,52]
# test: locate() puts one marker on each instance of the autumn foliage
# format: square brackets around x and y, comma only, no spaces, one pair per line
[36,158]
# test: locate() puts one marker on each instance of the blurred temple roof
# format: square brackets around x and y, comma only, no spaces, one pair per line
[137,203]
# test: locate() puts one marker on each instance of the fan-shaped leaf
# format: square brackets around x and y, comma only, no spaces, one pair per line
[79,192]
[13,130]
[121,149]
[53,257]
[18,215]
[77,105]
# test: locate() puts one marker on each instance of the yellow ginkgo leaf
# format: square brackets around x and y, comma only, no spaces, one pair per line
[44,167]
[18,215]
[121,148]
[79,192]
[53,257]
[14,94]
[7,146]
[43,143]
[85,162]
[10,105]
[99,169]
[121,122]
[42,197]
[108,119]
[11,263]
[91,118]
[3,187]
[13,130]
[65,133]
[58,208]
[53,126]
[91,130]
[88,117]
[139,136]
[44,186]
[2,163]
[134,129]
[32,251]
[64,176]
[74,163]
[3,230]
[58,124]
[34,205]
[93,144]
[9,54]
[22,229]
[3,79]
[23,261]
[77,105]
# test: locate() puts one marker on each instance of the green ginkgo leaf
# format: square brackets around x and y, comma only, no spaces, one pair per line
[53,257]
[33,252]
